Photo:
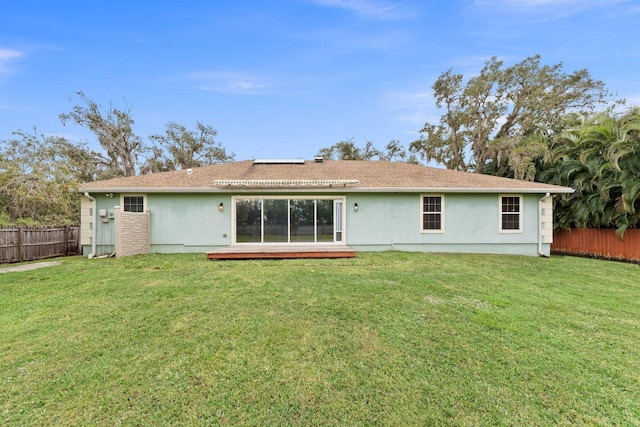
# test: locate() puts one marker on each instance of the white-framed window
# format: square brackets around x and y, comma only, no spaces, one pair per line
[432,213]
[510,213]
[133,203]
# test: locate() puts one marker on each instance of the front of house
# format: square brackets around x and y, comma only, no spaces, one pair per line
[367,205]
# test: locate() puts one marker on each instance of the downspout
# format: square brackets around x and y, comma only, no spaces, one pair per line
[95,220]
[540,252]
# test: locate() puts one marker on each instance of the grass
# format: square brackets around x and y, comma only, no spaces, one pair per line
[381,339]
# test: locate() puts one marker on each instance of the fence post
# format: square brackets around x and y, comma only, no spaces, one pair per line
[66,240]
[20,245]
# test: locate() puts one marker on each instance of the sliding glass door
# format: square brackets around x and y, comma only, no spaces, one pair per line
[275,221]
[302,220]
[288,220]
[325,221]
[248,220]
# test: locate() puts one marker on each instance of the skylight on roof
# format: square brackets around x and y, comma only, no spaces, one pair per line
[278,162]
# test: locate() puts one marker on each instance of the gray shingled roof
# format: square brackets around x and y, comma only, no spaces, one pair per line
[327,176]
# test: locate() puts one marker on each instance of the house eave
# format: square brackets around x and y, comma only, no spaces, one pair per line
[532,190]
[336,189]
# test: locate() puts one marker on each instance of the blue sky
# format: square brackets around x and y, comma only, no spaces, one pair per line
[286,78]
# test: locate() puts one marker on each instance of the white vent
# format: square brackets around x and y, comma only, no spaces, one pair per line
[288,183]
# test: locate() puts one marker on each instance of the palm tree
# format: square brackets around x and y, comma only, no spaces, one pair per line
[599,157]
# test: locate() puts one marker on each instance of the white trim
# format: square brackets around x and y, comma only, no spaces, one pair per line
[340,221]
[441,230]
[144,201]
[339,190]
[93,213]
[520,212]
[545,222]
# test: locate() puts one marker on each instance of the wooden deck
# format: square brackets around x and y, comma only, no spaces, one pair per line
[281,252]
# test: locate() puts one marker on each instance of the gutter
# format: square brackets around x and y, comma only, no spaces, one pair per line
[540,252]
[95,219]
[334,189]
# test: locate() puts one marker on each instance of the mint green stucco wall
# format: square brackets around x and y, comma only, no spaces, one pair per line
[179,222]
[189,222]
[471,221]
[193,223]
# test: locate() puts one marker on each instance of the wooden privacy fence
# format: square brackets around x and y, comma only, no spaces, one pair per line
[31,243]
[597,242]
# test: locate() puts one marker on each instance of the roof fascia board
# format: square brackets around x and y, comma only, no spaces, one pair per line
[540,190]
[536,190]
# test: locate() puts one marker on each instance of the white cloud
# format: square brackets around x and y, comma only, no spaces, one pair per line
[556,8]
[7,54]
[224,82]
[399,99]
[412,107]
[6,57]
[371,9]
[582,4]
[417,119]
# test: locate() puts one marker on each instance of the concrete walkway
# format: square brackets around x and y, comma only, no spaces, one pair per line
[28,267]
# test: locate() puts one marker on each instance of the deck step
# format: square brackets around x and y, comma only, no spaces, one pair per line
[280,252]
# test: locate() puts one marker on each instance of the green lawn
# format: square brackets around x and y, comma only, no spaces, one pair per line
[381,339]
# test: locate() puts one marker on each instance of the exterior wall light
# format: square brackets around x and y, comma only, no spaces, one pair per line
[109,195]
[355,207]
[221,207]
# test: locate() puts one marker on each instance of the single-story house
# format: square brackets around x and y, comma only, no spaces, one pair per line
[293,203]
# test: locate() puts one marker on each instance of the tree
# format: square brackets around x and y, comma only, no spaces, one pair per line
[113,128]
[395,152]
[38,175]
[494,122]
[57,157]
[180,148]
[598,156]
[347,150]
